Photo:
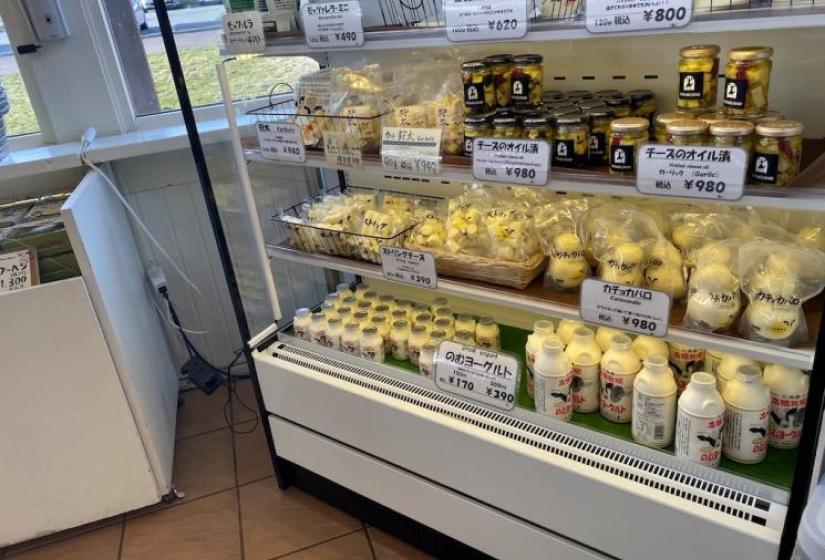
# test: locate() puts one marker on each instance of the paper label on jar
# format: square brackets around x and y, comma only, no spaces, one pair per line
[735,93]
[520,89]
[785,424]
[691,85]
[553,397]
[764,168]
[585,387]
[474,95]
[616,395]
[653,418]
[745,437]
[621,158]
[596,147]
[564,151]
[699,440]
[482,20]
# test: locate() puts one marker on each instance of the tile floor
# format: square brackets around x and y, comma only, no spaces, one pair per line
[233,509]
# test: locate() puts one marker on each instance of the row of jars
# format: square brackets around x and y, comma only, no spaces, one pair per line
[502,80]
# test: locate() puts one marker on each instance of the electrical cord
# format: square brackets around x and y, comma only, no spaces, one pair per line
[231,380]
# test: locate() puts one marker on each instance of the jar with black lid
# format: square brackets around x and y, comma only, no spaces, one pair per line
[570,140]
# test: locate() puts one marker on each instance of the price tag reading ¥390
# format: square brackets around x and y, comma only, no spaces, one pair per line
[485,20]
[611,16]
[408,266]
[411,151]
[628,308]
[482,375]
[525,162]
[692,171]
[333,24]
[18,270]
[244,32]
[281,141]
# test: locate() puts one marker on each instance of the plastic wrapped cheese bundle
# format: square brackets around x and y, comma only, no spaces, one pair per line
[557,228]
[713,292]
[693,230]
[811,232]
[511,234]
[446,111]
[665,270]
[777,278]
[357,95]
[429,233]
[466,231]
[376,227]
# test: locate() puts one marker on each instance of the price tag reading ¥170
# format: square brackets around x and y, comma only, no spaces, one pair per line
[411,151]
[18,270]
[281,141]
[482,375]
[484,20]
[411,267]
[244,32]
[628,308]
[524,162]
[611,16]
[692,171]
[331,25]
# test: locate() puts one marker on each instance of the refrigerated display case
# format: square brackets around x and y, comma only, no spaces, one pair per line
[396,446]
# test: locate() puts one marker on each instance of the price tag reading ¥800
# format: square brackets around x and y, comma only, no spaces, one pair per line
[485,20]
[17,270]
[628,308]
[333,24]
[611,16]
[411,267]
[525,162]
[244,32]
[482,375]
[692,171]
[411,151]
[281,141]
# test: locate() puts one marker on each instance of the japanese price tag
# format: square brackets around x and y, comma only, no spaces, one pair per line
[482,375]
[342,149]
[18,270]
[525,162]
[411,151]
[692,171]
[483,20]
[244,32]
[411,267]
[628,308]
[330,25]
[281,141]
[611,16]
[280,8]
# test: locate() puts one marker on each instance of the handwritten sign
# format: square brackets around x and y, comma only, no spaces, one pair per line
[18,270]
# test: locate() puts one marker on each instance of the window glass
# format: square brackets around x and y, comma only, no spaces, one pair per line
[20,119]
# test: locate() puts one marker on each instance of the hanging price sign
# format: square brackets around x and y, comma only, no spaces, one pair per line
[333,25]
[628,308]
[281,142]
[692,171]
[18,270]
[483,20]
[482,375]
[244,32]
[408,266]
[523,162]
[411,151]
[612,16]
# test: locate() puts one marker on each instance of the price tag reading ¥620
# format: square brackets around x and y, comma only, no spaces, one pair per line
[281,141]
[482,375]
[611,16]
[411,151]
[244,32]
[628,308]
[692,171]
[342,149]
[18,270]
[525,162]
[485,20]
[331,25]
[411,267]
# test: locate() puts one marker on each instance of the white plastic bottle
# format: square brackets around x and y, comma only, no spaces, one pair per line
[700,417]
[619,367]
[789,397]
[533,347]
[726,370]
[566,329]
[318,329]
[685,360]
[654,403]
[585,355]
[604,337]
[645,346]
[554,376]
[747,412]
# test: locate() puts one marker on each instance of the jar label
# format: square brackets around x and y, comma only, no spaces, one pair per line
[474,95]
[736,93]
[596,147]
[745,437]
[765,168]
[785,424]
[691,85]
[520,89]
[564,151]
[468,146]
[699,440]
[617,396]
[621,158]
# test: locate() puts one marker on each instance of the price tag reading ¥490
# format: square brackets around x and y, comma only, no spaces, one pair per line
[408,266]
[485,20]
[611,16]
[281,141]
[482,375]
[244,32]
[692,171]
[524,162]
[18,270]
[330,25]
[628,308]
[411,151]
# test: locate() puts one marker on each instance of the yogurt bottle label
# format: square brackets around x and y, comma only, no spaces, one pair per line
[553,397]
[301,332]
[351,347]
[653,419]
[617,396]
[745,438]
[400,350]
[585,388]
[699,440]
[685,361]
[785,424]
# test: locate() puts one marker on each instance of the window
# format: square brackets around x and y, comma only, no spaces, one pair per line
[21,118]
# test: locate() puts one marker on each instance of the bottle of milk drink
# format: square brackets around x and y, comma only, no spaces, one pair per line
[700,417]
[712,360]
[747,412]
[619,367]
[726,370]
[566,329]
[585,356]
[685,360]
[553,376]
[645,346]
[789,396]
[534,341]
[654,403]
[604,336]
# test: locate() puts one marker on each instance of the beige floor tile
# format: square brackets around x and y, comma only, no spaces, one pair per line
[204,464]
[201,413]
[205,529]
[61,536]
[276,523]
[100,544]
[350,547]
[244,395]
[389,548]
[252,452]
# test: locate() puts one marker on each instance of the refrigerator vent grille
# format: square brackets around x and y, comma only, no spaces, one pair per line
[664,479]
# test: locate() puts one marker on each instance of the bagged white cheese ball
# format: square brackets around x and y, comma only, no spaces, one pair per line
[714,300]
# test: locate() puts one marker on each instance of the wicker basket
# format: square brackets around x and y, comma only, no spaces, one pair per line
[513,274]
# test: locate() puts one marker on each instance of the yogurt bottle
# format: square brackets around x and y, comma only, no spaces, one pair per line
[789,396]
[567,328]
[585,356]
[700,417]
[553,376]
[619,367]
[747,413]
[654,403]
[685,360]
[534,342]
[726,370]
[645,346]
[712,360]
[604,337]
[301,322]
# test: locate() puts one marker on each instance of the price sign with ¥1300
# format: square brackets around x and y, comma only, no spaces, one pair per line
[524,162]
[408,266]
[482,375]
[18,270]
[692,171]
[483,20]
[629,308]
[281,142]
[244,32]
[331,25]
[612,16]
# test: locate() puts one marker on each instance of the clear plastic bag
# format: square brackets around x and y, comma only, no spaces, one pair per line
[466,229]
[557,226]
[511,233]
[714,299]
[665,270]
[693,230]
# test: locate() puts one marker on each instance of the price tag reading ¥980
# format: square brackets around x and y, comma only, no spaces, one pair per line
[482,375]
[244,32]
[628,308]
[281,141]
[18,270]
[611,16]
[485,20]
[524,162]
[333,24]
[408,266]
